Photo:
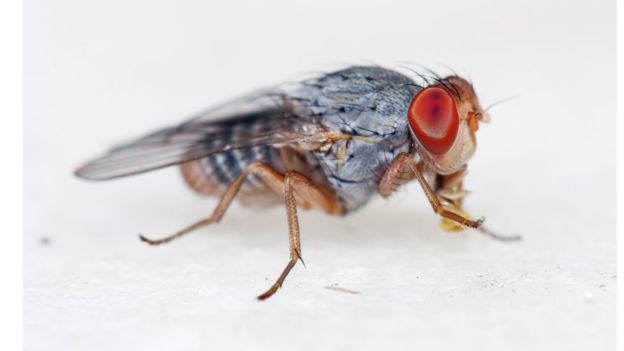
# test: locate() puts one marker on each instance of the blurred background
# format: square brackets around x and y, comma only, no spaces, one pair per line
[98,73]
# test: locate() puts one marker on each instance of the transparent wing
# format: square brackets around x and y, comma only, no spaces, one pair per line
[263,118]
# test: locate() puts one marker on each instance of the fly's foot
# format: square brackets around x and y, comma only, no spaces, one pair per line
[453,226]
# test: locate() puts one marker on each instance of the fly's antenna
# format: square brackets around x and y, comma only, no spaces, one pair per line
[500,102]
[485,116]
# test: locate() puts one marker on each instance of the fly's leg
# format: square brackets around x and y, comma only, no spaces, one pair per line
[296,189]
[296,183]
[452,193]
[493,235]
[454,218]
[270,177]
[392,177]
[395,175]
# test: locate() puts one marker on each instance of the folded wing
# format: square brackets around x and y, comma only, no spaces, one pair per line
[259,119]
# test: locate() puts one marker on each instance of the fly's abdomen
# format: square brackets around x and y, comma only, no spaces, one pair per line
[212,174]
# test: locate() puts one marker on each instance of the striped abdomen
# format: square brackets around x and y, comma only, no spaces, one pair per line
[211,175]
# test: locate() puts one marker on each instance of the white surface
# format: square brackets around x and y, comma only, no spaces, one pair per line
[98,73]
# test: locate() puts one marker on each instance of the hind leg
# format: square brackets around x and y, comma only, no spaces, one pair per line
[274,181]
[269,176]
[296,189]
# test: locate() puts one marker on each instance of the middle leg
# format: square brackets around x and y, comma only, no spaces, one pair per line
[297,183]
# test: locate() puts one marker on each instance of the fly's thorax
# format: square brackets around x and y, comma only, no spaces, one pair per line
[354,166]
[362,110]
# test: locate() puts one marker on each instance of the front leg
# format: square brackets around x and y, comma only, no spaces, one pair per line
[450,191]
[394,175]
[446,200]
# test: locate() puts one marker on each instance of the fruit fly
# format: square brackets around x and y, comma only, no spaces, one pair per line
[330,143]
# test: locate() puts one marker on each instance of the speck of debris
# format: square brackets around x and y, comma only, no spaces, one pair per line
[44,241]
[335,287]
[601,286]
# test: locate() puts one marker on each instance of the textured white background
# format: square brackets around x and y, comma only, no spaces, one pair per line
[100,72]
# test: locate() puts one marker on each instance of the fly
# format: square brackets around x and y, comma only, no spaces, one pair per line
[329,143]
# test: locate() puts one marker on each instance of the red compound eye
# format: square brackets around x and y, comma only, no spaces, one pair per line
[433,117]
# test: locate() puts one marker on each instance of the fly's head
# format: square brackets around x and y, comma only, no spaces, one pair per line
[443,120]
